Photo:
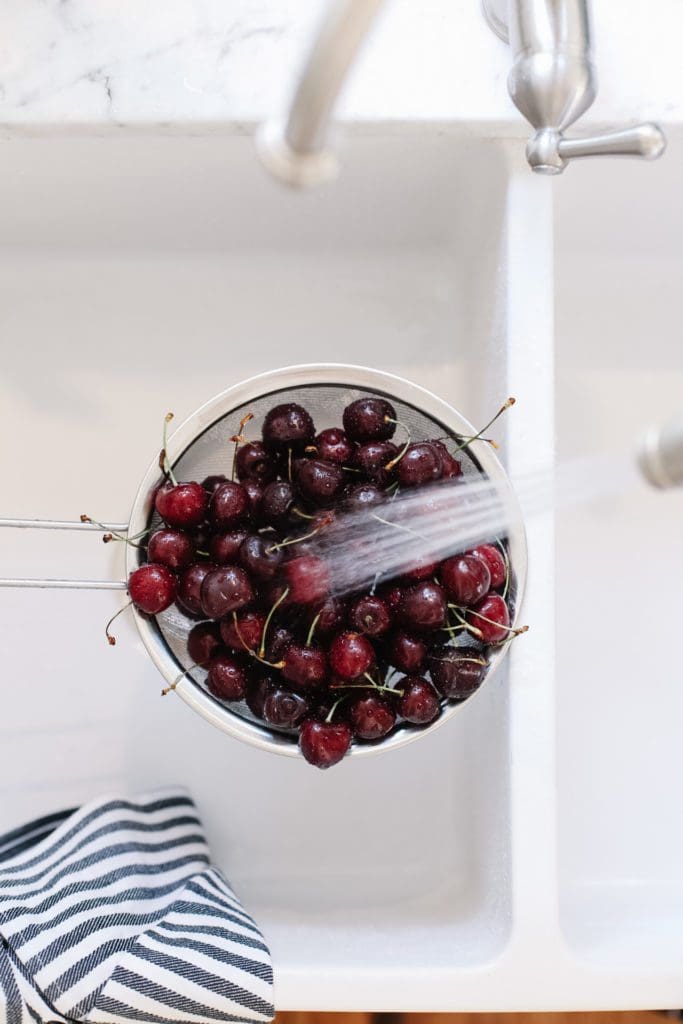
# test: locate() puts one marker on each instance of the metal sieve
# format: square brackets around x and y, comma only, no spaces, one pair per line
[201,446]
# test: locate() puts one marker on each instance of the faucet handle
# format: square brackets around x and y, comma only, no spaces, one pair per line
[548,150]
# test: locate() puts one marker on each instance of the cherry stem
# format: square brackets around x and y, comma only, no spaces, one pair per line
[398,526]
[110,535]
[111,640]
[297,540]
[463,623]
[166,465]
[302,515]
[289,464]
[238,438]
[334,708]
[514,631]
[363,686]
[181,675]
[311,631]
[449,661]
[266,624]
[478,435]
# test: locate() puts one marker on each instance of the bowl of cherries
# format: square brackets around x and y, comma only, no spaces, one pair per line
[238,528]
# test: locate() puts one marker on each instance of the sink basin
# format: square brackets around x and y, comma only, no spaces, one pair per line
[620,700]
[142,273]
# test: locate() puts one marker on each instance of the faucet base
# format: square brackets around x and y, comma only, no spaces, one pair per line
[299,170]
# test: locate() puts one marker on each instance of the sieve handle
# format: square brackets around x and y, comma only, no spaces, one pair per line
[59,524]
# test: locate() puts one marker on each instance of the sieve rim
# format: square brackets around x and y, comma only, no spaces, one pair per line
[250,389]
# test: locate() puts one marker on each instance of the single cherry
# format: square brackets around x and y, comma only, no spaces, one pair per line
[373,458]
[304,666]
[276,501]
[254,462]
[350,655]
[242,631]
[308,579]
[369,419]
[423,606]
[421,464]
[370,615]
[324,744]
[227,678]
[391,594]
[405,652]
[284,709]
[364,496]
[494,560]
[224,546]
[465,578]
[203,642]
[181,505]
[318,481]
[254,492]
[330,616]
[190,585]
[489,618]
[225,590]
[451,468]
[420,702]
[257,690]
[229,505]
[211,483]
[171,548]
[152,588]
[287,426]
[334,446]
[277,641]
[371,718]
[260,557]
[421,572]
[456,671]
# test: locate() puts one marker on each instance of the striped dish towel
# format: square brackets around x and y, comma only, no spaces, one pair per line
[113,912]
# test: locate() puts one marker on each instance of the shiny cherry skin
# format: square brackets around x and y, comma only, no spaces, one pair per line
[350,655]
[421,464]
[259,556]
[255,462]
[420,701]
[495,562]
[225,590]
[287,426]
[210,483]
[490,618]
[224,546]
[181,505]
[229,505]
[451,468]
[369,419]
[227,677]
[360,497]
[456,671]
[465,578]
[307,578]
[276,501]
[285,709]
[333,445]
[330,616]
[152,588]
[254,492]
[242,631]
[405,652]
[373,457]
[171,548]
[257,690]
[203,642]
[318,481]
[371,718]
[190,586]
[324,744]
[304,666]
[423,607]
[370,615]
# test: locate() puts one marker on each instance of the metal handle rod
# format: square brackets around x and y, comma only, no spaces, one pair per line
[60,524]
[646,140]
[65,584]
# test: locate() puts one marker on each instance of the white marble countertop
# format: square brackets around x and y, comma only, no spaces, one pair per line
[216,62]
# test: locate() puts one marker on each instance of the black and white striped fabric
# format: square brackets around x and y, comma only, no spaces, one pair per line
[113,912]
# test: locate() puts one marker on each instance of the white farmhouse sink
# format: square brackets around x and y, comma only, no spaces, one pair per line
[529,854]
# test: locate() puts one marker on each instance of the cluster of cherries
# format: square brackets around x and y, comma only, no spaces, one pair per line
[236,555]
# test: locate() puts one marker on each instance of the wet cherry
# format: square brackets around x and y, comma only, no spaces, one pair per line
[465,578]
[171,548]
[369,419]
[190,585]
[371,717]
[229,505]
[420,702]
[370,615]
[324,744]
[456,671]
[225,590]
[287,425]
[152,588]
[227,678]
[350,655]
[203,642]
[181,505]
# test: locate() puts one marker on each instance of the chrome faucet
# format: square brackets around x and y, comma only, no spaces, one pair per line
[552,82]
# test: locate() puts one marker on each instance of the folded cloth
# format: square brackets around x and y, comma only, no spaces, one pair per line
[113,912]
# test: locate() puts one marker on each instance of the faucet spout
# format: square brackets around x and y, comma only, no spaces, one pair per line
[296,149]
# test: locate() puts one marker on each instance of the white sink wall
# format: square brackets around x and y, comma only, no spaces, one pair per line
[143,273]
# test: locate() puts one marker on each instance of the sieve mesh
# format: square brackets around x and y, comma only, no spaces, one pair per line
[211,452]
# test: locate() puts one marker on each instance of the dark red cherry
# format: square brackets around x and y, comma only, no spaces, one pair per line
[324,744]
[350,655]
[373,457]
[391,594]
[307,578]
[224,546]
[371,717]
[370,615]
[369,419]
[210,483]
[421,572]
[152,588]
[490,618]
[466,578]
[254,462]
[203,642]
[254,492]
[456,671]
[284,709]
[242,631]
[171,548]
[229,505]
[190,586]
[495,562]
[451,468]
[334,446]
[227,678]
[330,616]
[257,690]
[287,426]
[423,606]
[406,652]
[318,481]
[305,667]
[277,640]
[277,500]
[224,590]
[420,701]
[421,464]
[363,496]
[181,505]
[260,557]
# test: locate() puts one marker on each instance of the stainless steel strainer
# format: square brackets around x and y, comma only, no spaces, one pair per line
[201,446]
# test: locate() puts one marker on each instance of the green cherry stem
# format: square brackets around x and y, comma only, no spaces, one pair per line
[238,439]
[510,402]
[266,624]
[165,464]
[111,640]
[311,631]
